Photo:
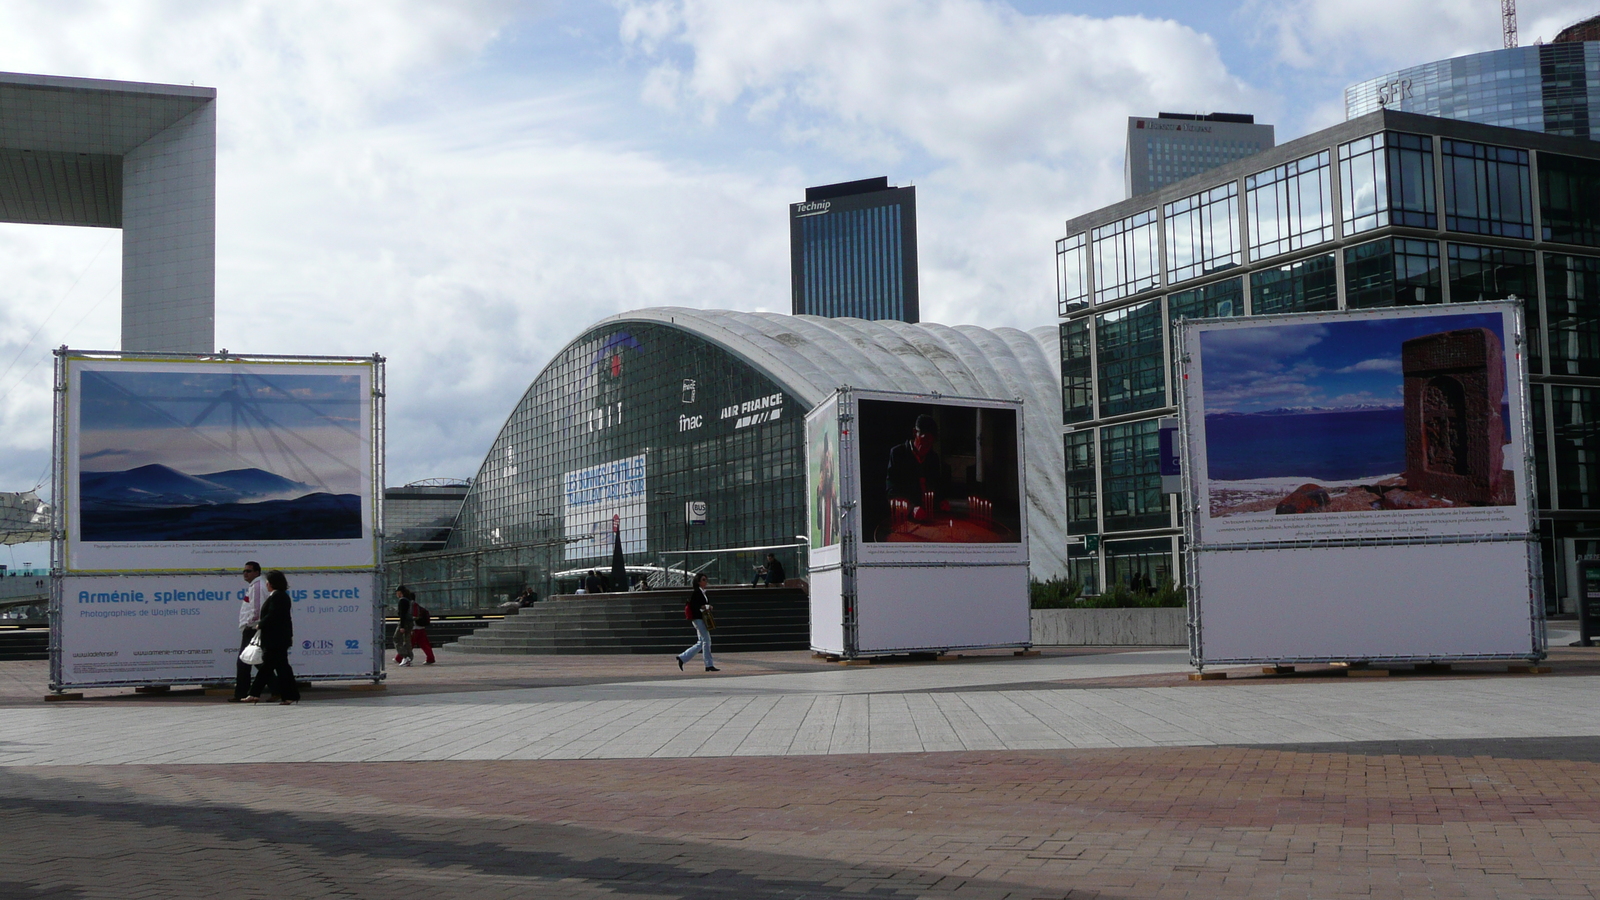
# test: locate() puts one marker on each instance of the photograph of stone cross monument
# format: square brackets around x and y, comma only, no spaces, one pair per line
[1455,433]
[1361,415]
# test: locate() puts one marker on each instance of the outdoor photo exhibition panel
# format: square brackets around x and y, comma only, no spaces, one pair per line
[173,471]
[152,629]
[186,465]
[1359,486]
[931,545]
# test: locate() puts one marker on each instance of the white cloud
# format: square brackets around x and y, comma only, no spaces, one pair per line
[966,81]
[1366,38]
[1379,364]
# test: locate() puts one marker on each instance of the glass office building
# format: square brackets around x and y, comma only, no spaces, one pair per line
[853,251]
[1388,209]
[653,409]
[1553,88]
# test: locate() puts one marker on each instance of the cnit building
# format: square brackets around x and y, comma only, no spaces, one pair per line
[1386,209]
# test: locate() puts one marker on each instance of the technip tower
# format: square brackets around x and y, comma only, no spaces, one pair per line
[853,251]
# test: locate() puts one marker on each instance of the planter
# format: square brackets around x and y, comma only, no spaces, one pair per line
[1111,627]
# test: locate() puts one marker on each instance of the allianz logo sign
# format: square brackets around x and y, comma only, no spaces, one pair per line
[801,210]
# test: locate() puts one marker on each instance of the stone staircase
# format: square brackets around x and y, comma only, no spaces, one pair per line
[648,622]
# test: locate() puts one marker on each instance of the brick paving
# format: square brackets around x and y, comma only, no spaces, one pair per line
[1443,817]
[1171,822]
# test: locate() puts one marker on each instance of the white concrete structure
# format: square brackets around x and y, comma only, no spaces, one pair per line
[116,154]
[810,356]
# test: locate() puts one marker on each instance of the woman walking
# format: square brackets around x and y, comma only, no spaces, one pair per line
[277,636]
[695,612]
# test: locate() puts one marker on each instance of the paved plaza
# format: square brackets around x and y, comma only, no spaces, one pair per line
[1073,774]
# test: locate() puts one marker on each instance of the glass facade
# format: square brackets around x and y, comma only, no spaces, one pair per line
[1392,272]
[1308,285]
[1572,300]
[1224,298]
[1569,199]
[631,421]
[1072,274]
[1131,477]
[1130,358]
[1077,372]
[1082,509]
[1203,233]
[1387,179]
[1421,219]
[1291,206]
[1125,255]
[853,252]
[1577,443]
[1553,88]
[1486,190]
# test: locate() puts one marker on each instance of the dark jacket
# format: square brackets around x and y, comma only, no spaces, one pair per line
[406,621]
[774,571]
[908,479]
[277,621]
[696,607]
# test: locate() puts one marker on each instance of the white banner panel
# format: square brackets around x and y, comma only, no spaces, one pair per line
[602,498]
[1393,423]
[827,610]
[941,608]
[1350,603]
[190,465]
[184,629]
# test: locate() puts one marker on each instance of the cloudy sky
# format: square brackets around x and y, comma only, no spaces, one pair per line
[462,186]
[1331,365]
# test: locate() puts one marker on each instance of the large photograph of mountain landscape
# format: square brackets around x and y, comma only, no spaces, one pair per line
[220,453]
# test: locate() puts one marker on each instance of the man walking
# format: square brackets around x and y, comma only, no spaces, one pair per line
[249,619]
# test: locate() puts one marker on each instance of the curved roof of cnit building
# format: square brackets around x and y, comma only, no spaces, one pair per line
[810,356]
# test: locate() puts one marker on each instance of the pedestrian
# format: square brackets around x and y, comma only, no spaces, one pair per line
[277,636]
[249,617]
[772,572]
[420,619]
[695,611]
[402,631]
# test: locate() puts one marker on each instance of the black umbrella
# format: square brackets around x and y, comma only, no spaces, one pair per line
[619,570]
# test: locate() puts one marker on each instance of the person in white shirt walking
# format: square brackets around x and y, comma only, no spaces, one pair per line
[249,619]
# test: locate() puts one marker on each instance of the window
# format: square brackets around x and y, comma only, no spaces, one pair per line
[1498,273]
[1225,298]
[1077,375]
[1125,253]
[1150,558]
[1387,179]
[1203,233]
[1082,514]
[1309,285]
[1072,273]
[1392,272]
[1577,443]
[1569,199]
[1486,190]
[1490,273]
[1572,295]
[1541,436]
[1128,348]
[1131,477]
[1291,206]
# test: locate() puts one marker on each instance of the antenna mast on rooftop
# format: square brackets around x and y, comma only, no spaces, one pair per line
[1508,22]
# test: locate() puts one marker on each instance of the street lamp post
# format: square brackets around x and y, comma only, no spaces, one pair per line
[666,513]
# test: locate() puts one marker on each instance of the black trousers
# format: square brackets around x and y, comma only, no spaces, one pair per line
[242,673]
[275,666]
